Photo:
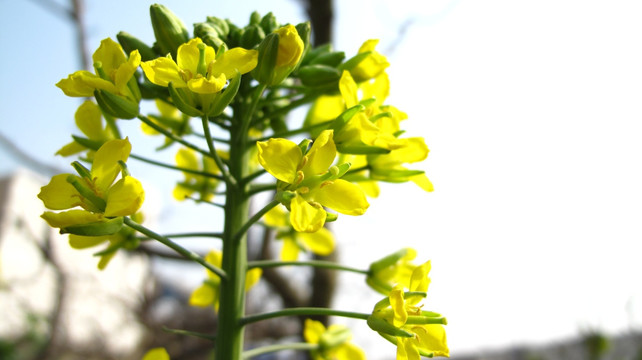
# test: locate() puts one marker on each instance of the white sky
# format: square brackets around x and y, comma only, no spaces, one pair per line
[532,113]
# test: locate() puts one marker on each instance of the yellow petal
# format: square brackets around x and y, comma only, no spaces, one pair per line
[89,120]
[280,157]
[370,188]
[321,154]
[83,83]
[252,277]
[342,196]
[83,242]
[325,108]
[290,46]
[203,296]
[156,354]
[106,167]
[305,217]
[349,351]
[162,71]
[125,197]
[70,149]
[69,218]
[233,60]
[181,192]
[397,304]
[378,89]
[419,279]
[105,259]
[186,158]
[188,55]
[348,89]
[276,217]
[312,331]
[59,194]
[407,349]
[358,130]
[209,85]
[320,242]
[371,66]
[111,56]
[125,72]
[290,249]
[423,182]
[432,338]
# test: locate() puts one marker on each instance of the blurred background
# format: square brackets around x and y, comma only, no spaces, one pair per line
[532,113]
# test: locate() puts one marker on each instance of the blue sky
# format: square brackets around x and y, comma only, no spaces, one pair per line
[532,113]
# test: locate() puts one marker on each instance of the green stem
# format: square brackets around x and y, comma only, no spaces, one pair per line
[195,234]
[173,167]
[248,179]
[293,105]
[174,246]
[256,217]
[229,179]
[312,263]
[255,189]
[172,136]
[279,347]
[303,311]
[247,121]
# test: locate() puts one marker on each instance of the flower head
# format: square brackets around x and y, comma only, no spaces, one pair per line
[311,180]
[334,342]
[89,120]
[198,68]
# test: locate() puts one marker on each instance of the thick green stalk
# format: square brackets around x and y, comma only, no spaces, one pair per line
[229,343]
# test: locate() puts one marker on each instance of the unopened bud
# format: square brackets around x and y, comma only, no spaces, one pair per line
[131,43]
[169,30]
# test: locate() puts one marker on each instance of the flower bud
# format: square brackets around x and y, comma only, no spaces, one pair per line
[182,102]
[116,106]
[268,23]
[169,30]
[131,43]
[319,75]
[279,54]
[252,36]
[99,228]
[210,35]
[223,99]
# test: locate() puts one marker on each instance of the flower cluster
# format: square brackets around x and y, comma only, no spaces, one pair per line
[242,82]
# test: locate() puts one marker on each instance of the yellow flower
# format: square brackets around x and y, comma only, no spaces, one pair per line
[373,65]
[198,68]
[204,186]
[334,342]
[169,118]
[388,167]
[208,293]
[313,183]
[94,203]
[156,354]
[89,120]
[290,47]
[419,332]
[279,54]
[396,268]
[113,73]
[320,242]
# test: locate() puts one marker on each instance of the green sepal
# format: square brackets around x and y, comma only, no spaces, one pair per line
[169,30]
[392,175]
[131,43]
[88,143]
[223,99]
[361,149]
[181,104]
[303,29]
[318,75]
[332,59]
[268,51]
[116,106]
[388,260]
[252,36]
[354,61]
[132,85]
[345,116]
[149,90]
[334,337]
[380,115]
[313,53]
[268,23]
[210,35]
[99,228]
[380,325]
[330,217]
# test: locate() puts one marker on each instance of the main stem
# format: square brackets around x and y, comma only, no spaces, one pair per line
[229,339]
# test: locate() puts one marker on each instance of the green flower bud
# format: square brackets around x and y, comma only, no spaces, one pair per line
[223,99]
[131,43]
[210,35]
[182,102]
[98,228]
[332,59]
[255,18]
[279,54]
[220,25]
[269,23]
[116,106]
[169,30]
[319,76]
[252,36]
[313,53]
